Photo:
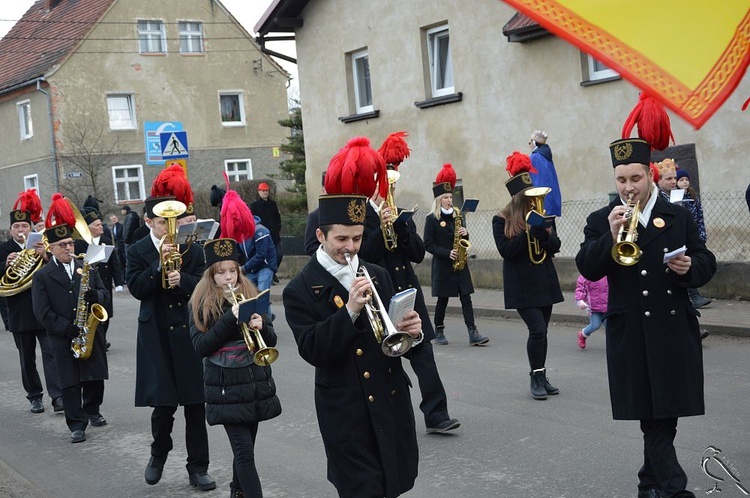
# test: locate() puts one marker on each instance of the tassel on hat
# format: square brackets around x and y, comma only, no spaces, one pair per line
[60,212]
[394,149]
[172,181]
[30,202]
[517,163]
[237,220]
[445,181]
[652,120]
[357,169]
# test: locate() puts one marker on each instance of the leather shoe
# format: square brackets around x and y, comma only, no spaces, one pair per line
[446,425]
[57,404]
[701,301]
[78,436]
[202,481]
[37,406]
[154,469]
[97,420]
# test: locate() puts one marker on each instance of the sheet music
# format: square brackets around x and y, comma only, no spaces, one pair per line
[401,304]
[676,195]
[197,231]
[32,239]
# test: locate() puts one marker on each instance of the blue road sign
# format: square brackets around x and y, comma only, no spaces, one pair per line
[174,145]
[152,130]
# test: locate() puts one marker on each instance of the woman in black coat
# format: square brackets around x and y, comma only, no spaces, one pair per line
[239,393]
[529,288]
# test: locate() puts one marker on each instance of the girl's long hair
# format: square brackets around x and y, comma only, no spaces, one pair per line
[436,206]
[514,214]
[208,298]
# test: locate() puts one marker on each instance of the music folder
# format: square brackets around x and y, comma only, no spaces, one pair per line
[401,304]
[32,239]
[405,215]
[257,304]
[470,205]
[196,231]
[535,219]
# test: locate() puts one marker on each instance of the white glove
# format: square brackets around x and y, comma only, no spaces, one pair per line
[118,288]
[582,304]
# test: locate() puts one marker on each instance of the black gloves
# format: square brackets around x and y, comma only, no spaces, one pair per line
[91,296]
[71,331]
[540,233]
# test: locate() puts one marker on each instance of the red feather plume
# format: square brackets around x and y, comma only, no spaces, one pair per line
[357,168]
[59,212]
[652,120]
[172,181]
[447,174]
[237,220]
[655,171]
[744,106]
[30,201]
[517,163]
[394,149]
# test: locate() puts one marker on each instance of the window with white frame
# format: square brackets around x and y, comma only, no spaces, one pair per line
[361,82]
[152,39]
[239,169]
[121,111]
[191,37]
[598,71]
[128,183]
[232,108]
[441,64]
[32,182]
[24,119]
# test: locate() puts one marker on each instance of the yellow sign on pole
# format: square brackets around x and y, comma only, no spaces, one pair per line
[276,152]
[181,162]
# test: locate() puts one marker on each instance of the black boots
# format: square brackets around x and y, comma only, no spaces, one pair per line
[475,339]
[440,335]
[540,386]
[696,298]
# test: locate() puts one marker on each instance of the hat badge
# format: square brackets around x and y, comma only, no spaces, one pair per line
[19,215]
[526,178]
[223,249]
[623,151]
[356,211]
[61,231]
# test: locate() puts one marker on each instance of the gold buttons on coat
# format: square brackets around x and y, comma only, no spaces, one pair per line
[672,312]
[171,327]
[359,352]
[366,375]
[647,314]
[393,393]
[645,293]
[644,273]
[371,398]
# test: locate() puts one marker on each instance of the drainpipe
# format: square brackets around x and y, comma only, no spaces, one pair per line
[53,148]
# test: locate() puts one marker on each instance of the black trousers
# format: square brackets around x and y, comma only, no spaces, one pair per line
[244,473]
[660,466]
[196,435]
[4,312]
[434,403]
[466,308]
[81,401]
[32,384]
[536,320]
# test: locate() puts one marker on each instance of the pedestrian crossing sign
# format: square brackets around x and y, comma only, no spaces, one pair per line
[174,145]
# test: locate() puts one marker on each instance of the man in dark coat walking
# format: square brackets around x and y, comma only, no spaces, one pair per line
[119,241]
[266,209]
[654,354]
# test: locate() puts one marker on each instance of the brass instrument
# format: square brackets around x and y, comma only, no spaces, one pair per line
[19,274]
[86,320]
[536,195]
[262,354]
[389,233]
[461,245]
[170,261]
[392,342]
[625,251]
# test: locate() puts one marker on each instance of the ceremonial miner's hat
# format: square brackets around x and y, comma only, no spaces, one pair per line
[518,166]
[445,181]
[27,208]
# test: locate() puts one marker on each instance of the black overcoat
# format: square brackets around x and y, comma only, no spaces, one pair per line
[438,241]
[110,271]
[168,370]
[361,396]
[55,298]
[409,249]
[21,317]
[654,354]
[526,285]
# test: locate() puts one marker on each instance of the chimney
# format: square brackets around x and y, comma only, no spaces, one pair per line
[50,4]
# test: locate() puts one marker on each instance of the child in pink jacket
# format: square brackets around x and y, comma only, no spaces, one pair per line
[591,296]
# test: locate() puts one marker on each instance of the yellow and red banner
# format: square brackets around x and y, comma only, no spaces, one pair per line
[689,54]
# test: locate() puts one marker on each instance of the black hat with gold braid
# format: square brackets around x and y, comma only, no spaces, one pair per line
[60,220]
[220,250]
[27,208]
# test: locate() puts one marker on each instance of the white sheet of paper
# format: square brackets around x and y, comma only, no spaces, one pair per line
[401,304]
[32,239]
[675,253]
[107,252]
[676,195]
[94,254]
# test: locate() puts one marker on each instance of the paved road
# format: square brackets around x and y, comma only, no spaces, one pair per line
[509,445]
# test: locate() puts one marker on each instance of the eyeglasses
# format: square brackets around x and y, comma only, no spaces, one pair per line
[65,244]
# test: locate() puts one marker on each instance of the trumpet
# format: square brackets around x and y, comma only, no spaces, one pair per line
[392,342]
[536,195]
[262,354]
[389,233]
[170,261]
[625,251]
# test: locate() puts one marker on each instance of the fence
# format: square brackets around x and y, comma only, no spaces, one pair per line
[725,213]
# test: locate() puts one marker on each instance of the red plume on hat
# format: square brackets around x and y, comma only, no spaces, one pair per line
[652,120]
[59,212]
[517,163]
[29,201]
[447,174]
[655,171]
[394,149]
[744,106]
[172,181]
[237,220]
[357,168]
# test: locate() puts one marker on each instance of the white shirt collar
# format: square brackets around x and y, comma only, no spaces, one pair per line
[340,272]
[645,214]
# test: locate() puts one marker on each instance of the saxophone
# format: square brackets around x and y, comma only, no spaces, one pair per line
[461,246]
[18,275]
[86,320]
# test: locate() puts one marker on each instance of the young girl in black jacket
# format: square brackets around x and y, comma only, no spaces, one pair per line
[239,393]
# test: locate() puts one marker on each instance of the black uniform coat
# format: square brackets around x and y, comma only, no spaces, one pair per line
[110,272]
[526,285]
[241,395]
[269,215]
[654,354]
[55,298]
[409,249]
[361,395]
[168,370]
[21,317]
[438,241]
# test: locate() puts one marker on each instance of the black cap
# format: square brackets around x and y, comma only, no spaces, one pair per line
[630,150]
[342,209]
[439,189]
[90,217]
[58,233]
[19,216]
[216,195]
[519,183]
[220,250]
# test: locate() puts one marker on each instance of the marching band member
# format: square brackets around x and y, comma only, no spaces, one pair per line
[654,354]
[23,324]
[169,372]
[439,240]
[529,288]
[239,393]
[55,293]
[361,395]
[398,263]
